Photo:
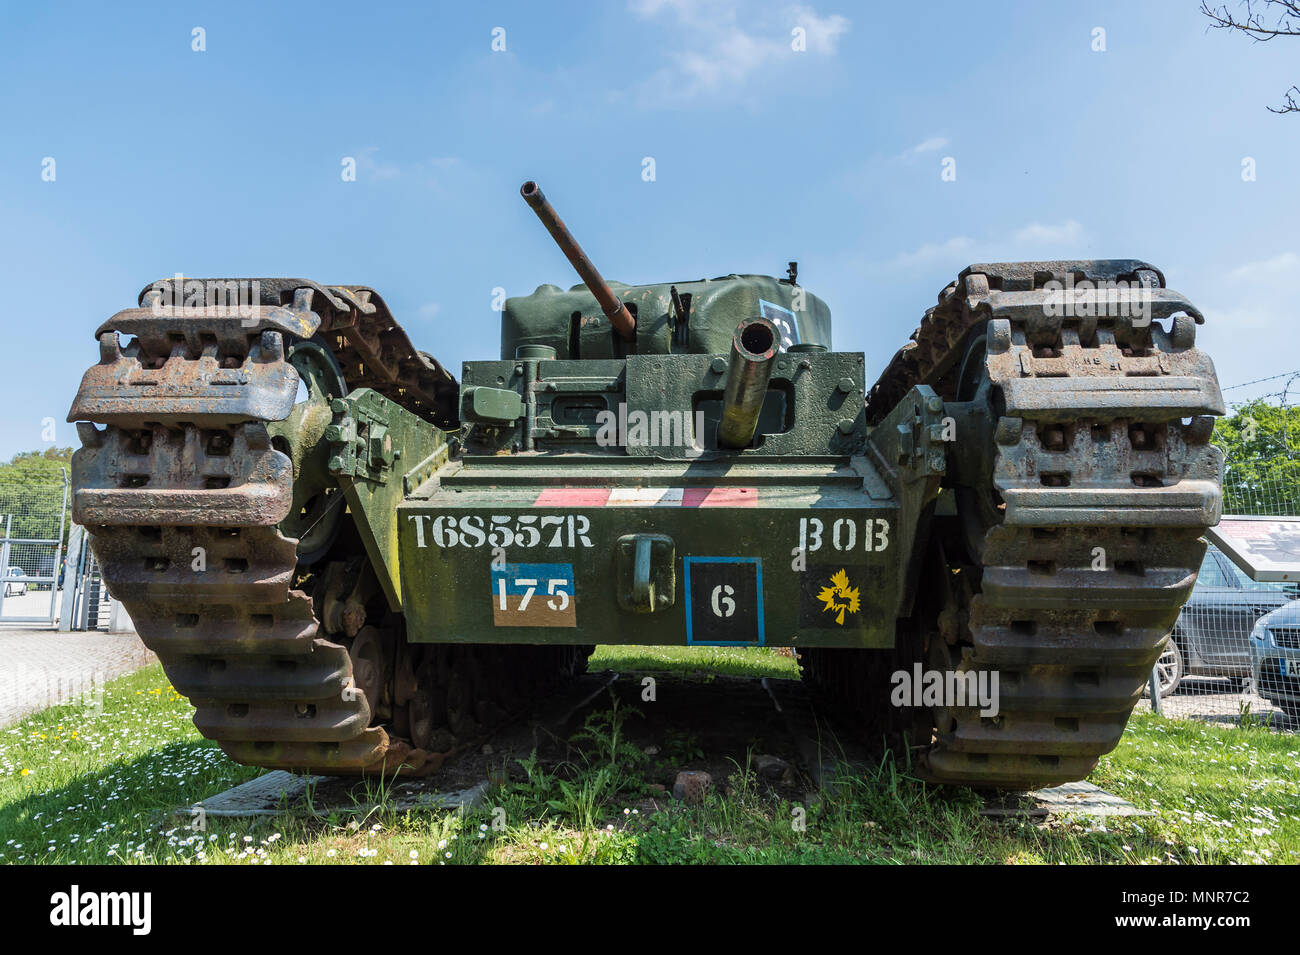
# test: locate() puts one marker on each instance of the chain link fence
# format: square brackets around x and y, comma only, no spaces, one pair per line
[1225,660]
[33,534]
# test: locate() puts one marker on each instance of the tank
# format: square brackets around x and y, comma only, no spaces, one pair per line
[352,563]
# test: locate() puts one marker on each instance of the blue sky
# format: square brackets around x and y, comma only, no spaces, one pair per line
[228,161]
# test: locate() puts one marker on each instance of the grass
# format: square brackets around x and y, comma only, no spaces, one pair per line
[730,661]
[102,787]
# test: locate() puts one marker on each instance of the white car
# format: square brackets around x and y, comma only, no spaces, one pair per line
[15,588]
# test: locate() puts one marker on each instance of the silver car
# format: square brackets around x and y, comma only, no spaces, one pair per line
[15,588]
[1275,658]
[1210,637]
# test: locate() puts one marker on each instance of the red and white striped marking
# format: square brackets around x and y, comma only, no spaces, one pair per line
[647,497]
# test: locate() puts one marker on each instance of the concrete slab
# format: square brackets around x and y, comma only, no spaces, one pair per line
[278,792]
[268,795]
[1074,799]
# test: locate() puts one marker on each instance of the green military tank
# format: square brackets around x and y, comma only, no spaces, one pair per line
[352,563]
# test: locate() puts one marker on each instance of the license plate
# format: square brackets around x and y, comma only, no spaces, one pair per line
[1290,667]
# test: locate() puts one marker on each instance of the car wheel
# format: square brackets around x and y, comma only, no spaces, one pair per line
[1169,670]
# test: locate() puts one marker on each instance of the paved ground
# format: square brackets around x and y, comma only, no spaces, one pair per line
[39,668]
[33,603]
[1215,701]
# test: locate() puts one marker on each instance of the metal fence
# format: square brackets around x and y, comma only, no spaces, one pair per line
[33,529]
[1223,663]
[86,601]
[1208,671]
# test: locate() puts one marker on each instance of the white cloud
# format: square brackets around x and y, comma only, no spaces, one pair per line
[1250,316]
[1065,233]
[930,145]
[683,8]
[1035,240]
[716,49]
[1288,263]
[822,33]
[427,171]
[375,169]
[956,247]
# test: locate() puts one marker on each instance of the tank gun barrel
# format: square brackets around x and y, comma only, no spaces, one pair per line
[754,348]
[610,304]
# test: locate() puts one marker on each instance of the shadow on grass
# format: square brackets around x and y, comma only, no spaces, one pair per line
[130,800]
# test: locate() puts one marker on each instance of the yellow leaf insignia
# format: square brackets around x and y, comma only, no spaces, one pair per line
[839,597]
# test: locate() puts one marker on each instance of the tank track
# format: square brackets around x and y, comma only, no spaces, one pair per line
[182,492]
[1100,481]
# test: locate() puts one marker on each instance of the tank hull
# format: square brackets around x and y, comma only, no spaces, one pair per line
[737,555]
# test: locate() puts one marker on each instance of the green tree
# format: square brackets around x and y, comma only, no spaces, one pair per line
[1261,445]
[32,492]
[37,465]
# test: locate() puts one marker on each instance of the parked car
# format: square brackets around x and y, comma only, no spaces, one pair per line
[15,588]
[45,567]
[1212,635]
[1275,658]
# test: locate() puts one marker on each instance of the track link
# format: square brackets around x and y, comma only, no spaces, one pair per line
[1087,458]
[183,491]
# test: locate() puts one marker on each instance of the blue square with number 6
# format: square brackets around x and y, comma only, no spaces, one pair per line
[724,601]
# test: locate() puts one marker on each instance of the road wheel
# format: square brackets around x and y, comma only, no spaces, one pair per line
[1169,670]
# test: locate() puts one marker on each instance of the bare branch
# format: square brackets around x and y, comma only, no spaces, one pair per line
[1291,105]
[1256,25]
[1263,21]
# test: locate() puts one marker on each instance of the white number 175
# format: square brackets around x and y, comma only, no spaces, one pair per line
[530,587]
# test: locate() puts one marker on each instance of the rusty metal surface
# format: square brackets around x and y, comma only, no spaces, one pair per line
[215,475]
[355,321]
[610,304]
[182,491]
[182,504]
[1017,292]
[1097,438]
[129,387]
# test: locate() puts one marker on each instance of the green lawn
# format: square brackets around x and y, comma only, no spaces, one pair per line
[82,786]
[731,661]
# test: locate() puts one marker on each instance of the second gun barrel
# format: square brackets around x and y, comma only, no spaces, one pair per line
[753,352]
